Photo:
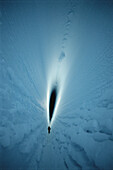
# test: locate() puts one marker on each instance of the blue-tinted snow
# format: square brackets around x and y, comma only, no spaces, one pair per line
[70,42]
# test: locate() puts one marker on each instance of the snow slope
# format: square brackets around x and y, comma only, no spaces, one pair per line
[68,43]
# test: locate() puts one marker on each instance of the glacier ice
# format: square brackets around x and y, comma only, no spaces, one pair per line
[68,43]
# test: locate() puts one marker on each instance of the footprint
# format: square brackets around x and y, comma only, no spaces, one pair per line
[62,56]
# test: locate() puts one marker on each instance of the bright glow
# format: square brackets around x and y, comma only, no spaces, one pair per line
[56,107]
[56,110]
[56,77]
[48,106]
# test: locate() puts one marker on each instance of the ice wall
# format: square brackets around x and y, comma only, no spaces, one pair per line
[68,43]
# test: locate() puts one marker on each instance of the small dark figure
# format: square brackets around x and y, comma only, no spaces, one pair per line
[49,129]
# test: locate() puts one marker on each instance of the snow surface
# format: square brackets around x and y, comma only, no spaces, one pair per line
[63,42]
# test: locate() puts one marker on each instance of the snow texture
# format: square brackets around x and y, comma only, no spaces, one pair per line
[65,42]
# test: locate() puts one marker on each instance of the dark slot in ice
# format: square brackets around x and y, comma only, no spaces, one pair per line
[49,129]
[52,102]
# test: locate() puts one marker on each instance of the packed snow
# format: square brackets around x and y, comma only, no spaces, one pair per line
[68,43]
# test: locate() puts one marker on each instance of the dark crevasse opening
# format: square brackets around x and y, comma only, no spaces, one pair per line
[67,45]
[52,102]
